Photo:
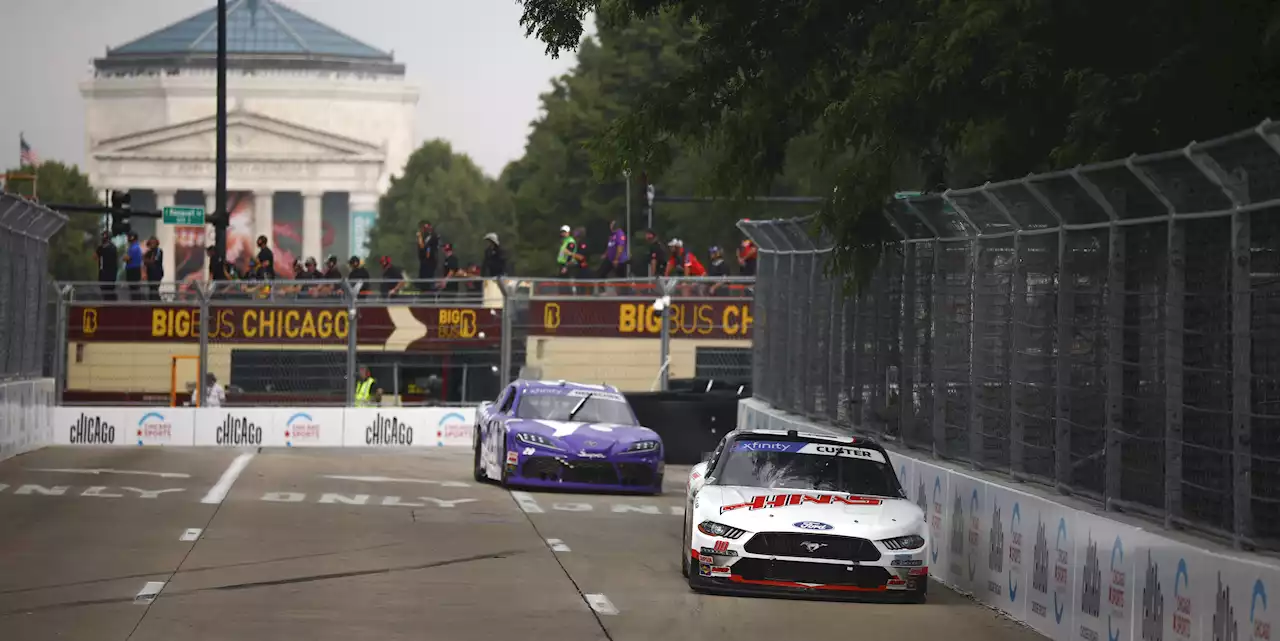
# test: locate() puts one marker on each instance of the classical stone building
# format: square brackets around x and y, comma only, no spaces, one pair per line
[317,124]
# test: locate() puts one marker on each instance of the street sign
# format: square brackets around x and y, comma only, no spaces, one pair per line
[191,216]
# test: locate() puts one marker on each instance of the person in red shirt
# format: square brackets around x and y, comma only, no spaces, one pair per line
[747,255]
[682,262]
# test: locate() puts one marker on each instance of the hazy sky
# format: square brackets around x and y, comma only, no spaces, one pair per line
[478,74]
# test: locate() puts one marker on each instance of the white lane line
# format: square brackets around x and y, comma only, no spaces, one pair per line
[526,502]
[600,603]
[219,491]
[149,592]
[388,479]
[95,472]
[557,545]
[191,534]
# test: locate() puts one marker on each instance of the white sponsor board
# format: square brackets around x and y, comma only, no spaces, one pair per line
[27,416]
[161,425]
[237,427]
[387,427]
[307,427]
[92,426]
[1073,575]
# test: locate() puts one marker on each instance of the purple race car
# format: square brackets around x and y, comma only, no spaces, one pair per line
[566,435]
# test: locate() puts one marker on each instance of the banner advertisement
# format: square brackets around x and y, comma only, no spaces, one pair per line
[162,425]
[92,426]
[454,425]
[387,427]
[237,427]
[967,536]
[1175,593]
[307,427]
[610,319]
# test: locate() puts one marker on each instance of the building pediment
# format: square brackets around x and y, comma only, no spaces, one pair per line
[249,136]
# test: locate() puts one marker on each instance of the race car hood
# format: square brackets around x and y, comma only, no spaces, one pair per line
[595,438]
[756,510]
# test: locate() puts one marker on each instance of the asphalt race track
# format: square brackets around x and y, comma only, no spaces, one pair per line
[100,544]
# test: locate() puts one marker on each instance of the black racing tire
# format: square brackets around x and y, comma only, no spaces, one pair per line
[685,545]
[502,461]
[477,471]
[920,594]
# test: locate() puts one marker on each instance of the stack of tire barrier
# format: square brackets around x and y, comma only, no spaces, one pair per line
[692,417]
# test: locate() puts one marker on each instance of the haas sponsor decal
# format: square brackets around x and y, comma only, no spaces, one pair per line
[238,431]
[388,431]
[92,430]
[786,500]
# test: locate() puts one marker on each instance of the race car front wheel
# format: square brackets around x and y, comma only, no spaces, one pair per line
[920,594]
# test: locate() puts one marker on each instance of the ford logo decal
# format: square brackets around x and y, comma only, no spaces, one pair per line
[812,525]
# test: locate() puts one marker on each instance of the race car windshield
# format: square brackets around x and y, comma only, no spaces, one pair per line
[598,408]
[809,466]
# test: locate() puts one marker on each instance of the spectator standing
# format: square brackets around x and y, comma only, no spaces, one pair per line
[133,267]
[392,278]
[568,252]
[580,254]
[108,266]
[747,255]
[474,287]
[495,260]
[717,268]
[428,255]
[682,262]
[216,396]
[616,254]
[657,254]
[266,260]
[153,264]
[331,271]
[451,271]
[359,274]
[217,265]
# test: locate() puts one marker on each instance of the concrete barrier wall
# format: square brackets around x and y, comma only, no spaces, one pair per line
[1066,570]
[26,416]
[266,427]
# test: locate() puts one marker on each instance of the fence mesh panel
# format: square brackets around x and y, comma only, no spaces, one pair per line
[1113,331]
[25,287]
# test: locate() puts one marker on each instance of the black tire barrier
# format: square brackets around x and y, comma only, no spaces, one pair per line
[691,424]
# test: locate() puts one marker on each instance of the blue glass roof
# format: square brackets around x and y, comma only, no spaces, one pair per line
[253,27]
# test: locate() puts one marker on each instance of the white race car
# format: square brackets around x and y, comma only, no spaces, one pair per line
[797,513]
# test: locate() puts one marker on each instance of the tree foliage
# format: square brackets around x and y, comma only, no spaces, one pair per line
[926,94]
[566,178]
[447,189]
[71,248]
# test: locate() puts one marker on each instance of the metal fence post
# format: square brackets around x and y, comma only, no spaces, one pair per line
[507,340]
[62,324]
[664,374]
[1174,326]
[907,336]
[353,340]
[202,389]
[1241,377]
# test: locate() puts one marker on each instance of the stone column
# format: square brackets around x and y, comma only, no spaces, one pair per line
[264,216]
[166,235]
[312,230]
[364,210]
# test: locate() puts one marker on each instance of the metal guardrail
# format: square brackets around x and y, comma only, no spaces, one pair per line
[1111,330]
[25,287]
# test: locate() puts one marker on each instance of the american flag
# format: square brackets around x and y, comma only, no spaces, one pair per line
[27,157]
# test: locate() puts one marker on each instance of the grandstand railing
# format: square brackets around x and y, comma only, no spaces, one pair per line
[457,341]
[1111,330]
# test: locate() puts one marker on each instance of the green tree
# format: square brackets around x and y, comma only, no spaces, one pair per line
[448,190]
[71,248]
[927,94]
[556,184]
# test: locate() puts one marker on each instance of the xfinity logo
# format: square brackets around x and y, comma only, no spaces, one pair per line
[238,431]
[388,431]
[92,431]
[762,446]
[586,454]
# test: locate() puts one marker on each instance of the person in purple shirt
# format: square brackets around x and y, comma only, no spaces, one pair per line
[133,267]
[617,255]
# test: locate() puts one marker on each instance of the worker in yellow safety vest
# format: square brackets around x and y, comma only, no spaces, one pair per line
[364,389]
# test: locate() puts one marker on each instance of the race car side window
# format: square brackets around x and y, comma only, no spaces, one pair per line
[715,458]
[508,401]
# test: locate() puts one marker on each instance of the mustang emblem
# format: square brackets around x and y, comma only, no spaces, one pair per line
[812,546]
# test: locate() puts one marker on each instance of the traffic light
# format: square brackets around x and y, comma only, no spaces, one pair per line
[121,204]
